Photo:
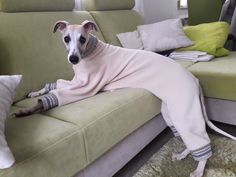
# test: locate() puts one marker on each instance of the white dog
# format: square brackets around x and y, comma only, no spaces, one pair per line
[102,67]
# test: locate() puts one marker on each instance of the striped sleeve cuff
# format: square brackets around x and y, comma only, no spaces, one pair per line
[50,86]
[49,101]
[202,153]
[173,129]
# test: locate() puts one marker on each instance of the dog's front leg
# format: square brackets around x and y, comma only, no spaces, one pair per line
[36,94]
[47,88]
[28,111]
[200,169]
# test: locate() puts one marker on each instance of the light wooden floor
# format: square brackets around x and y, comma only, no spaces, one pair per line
[138,161]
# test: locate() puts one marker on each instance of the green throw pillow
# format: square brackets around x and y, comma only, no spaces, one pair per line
[208,37]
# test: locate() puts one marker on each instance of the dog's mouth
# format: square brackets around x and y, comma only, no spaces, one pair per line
[74,59]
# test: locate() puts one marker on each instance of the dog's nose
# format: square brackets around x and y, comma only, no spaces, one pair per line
[74,59]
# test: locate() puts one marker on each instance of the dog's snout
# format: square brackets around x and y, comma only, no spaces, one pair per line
[74,59]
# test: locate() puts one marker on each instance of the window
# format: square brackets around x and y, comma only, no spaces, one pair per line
[182,4]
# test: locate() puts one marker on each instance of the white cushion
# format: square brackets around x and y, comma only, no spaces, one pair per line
[130,40]
[164,35]
[8,86]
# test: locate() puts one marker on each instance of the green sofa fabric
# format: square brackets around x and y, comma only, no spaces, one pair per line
[101,5]
[106,118]
[29,47]
[115,22]
[43,146]
[36,5]
[218,77]
[184,63]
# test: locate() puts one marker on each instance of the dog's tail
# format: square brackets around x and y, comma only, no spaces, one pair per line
[208,122]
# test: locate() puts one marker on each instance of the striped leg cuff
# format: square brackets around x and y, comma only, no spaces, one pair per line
[49,101]
[176,133]
[50,86]
[203,153]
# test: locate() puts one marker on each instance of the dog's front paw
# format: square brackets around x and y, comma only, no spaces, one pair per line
[23,113]
[38,93]
[33,94]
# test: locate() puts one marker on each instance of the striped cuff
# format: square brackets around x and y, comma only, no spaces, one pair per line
[49,101]
[173,129]
[202,153]
[50,86]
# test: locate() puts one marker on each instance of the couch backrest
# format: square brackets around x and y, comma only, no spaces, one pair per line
[33,5]
[28,45]
[113,17]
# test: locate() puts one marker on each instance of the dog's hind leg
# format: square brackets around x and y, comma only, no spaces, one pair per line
[200,169]
[180,156]
[28,111]
[175,156]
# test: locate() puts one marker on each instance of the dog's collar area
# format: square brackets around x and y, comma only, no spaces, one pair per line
[91,46]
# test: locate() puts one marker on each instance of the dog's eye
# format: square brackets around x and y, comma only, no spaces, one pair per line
[67,39]
[82,39]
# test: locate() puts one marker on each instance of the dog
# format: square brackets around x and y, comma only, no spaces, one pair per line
[102,67]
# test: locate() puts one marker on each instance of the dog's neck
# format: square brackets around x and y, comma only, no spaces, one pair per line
[91,46]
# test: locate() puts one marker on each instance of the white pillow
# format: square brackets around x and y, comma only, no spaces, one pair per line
[8,86]
[164,35]
[130,40]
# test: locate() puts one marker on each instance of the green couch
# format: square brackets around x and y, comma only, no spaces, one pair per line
[95,136]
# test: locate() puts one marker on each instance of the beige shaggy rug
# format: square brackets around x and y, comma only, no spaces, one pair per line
[221,164]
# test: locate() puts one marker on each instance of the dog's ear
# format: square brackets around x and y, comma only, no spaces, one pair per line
[61,25]
[89,26]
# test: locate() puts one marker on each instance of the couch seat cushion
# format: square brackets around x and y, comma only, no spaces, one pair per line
[185,63]
[108,117]
[44,146]
[218,77]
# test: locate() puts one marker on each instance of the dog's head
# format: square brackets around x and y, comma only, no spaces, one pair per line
[75,38]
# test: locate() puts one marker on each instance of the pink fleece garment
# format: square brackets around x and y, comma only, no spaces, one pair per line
[110,67]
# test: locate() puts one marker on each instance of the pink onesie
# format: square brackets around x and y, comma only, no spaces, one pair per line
[110,67]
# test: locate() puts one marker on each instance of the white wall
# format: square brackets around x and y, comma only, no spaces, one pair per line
[158,10]
[182,13]
[152,10]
